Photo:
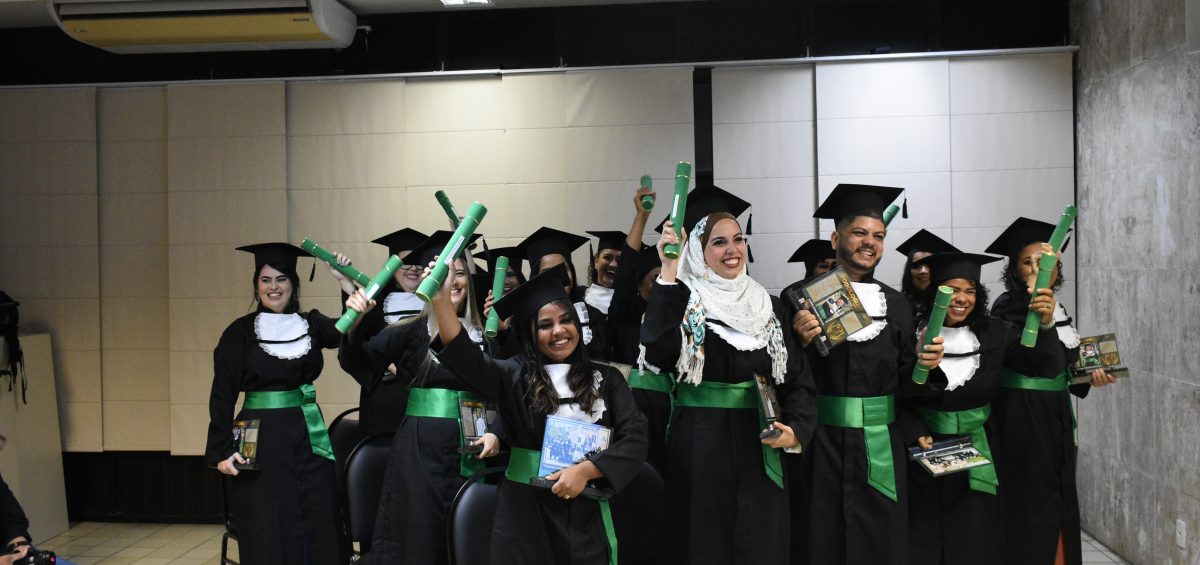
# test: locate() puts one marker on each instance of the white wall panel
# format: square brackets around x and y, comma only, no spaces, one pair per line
[226,163]
[534,101]
[133,166]
[762,94]
[996,198]
[929,198]
[535,155]
[455,158]
[758,150]
[615,153]
[137,323]
[137,374]
[346,161]
[48,167]
[629,97]
[883,145]
[463,104]
[218,217]
[345,108]
[40,114]
[883,89]
[1035,140]
[138,271]
[225,110]
[1030,83]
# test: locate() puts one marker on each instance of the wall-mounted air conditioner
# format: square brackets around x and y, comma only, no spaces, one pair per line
[166,26]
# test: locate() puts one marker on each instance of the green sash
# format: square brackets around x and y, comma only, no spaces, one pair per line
[443,403]
[1057,383]
[523,465]
[967,422]
[872,414]
[733,396]
[304,398]
[651,381]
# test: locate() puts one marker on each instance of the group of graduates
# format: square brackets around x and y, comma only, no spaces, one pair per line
[669,351]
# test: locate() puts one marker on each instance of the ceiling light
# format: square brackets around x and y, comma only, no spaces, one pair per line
[466,2]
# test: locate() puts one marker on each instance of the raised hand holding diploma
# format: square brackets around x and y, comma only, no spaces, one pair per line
[493,319]
[453,248]
[670,265]
[934,329]
[389,270]
[1046,264]
[683,177]
[324,255]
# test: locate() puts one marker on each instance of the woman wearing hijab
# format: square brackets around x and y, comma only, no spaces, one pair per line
[722,334]
[958,518]
[552,375]
[428,463]
[285,510]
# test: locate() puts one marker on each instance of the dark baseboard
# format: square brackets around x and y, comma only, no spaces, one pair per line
[141,486]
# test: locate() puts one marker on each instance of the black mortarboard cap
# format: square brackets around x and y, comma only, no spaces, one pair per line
[400,240]
[609,239]
[847,199]
[281,254]
[705,200]
[812,252]
[515,257]
[425,251]
[1019,234]
[926,241]
[955,265]
[549,241]
[647,260]
[525,300]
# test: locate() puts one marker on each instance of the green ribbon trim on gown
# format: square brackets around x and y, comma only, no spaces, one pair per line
[444,403]
[967,422]
[733,396]
[872,414]
[304,398]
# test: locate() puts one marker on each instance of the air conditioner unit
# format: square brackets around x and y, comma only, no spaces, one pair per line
[174,26]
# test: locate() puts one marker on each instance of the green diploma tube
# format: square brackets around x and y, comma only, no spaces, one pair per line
[324,255]
[381,279]
[683,177]
[889,214]
[429,287]
[448,207]
[936,317]
[1033,321]
[493,320]
[647,200]
[1064,226]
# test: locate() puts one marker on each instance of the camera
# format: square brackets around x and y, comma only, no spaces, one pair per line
[37,556]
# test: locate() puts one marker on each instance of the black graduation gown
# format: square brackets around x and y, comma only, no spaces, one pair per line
[383,397]
[1038,462]
[291,503]
[532,525]
[722,507]
[848,520]
[625,321]
[600,347]
[948,522]
[423,470]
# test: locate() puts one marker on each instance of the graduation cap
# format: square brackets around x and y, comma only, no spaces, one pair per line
[647,260]
[925,241]
[955,265]
[1018,235]
[401,240]
[812,252]
[525,300]
[609,239]
[515,257]
[278,254]
[549,241]
[709,199]
[847,199]
[425,251]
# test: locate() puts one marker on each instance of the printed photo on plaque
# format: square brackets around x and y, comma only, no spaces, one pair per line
[1098,352]
[245,437]
[568,442]
[477,419]
[948,456]
[833,301]
[770,407]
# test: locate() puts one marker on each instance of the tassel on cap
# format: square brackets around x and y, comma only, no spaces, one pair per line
[313,272]
[904,209]
[750,224]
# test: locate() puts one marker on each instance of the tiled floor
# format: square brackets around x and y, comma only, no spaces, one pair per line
[89,543]
[97,543]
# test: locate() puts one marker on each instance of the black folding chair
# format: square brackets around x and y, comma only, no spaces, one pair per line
[638,518]
[230,532]
[362,486]
[469,522]
[344,435]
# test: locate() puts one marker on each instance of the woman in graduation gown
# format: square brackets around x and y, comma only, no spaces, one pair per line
[551,375]
[1034,418]
[957,518]
[548,247]
[915,283]
[719,329]
[426,467]
[383,396]
[287,510]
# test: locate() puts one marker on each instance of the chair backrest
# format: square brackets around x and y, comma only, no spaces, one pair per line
[362,486]
[226,505]
[344,434]
[638,519]
[469,522]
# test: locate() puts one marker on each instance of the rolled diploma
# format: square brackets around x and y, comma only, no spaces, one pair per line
[647,200]
[889,214]
[683,177]
[493,321]
[429,287]
[321,253]
[1064,226]
[1033,321]
[448,207]
[936,317]
[389,270]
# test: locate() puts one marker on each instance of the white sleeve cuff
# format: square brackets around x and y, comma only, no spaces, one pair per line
[659,280]
[795,450]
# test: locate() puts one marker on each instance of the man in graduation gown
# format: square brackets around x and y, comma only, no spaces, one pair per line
[854,468]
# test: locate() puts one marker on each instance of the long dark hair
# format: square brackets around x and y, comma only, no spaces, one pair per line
[545,399]
[1012,282]
[977,320]
[293,305]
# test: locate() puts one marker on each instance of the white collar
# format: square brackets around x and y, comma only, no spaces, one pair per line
[959,370]
[558,376]
[875,303]
[400,305]
[290,329]
[598,297]
[1066,332]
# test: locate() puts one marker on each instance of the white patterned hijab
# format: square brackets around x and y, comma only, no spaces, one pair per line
[740,303]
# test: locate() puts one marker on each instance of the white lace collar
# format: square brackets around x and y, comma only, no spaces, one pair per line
[584,321]
[740,341]
[289,330]
[1066,332]
[400,305]
[875,303]
[558,376]
[598,297]
[959,370]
